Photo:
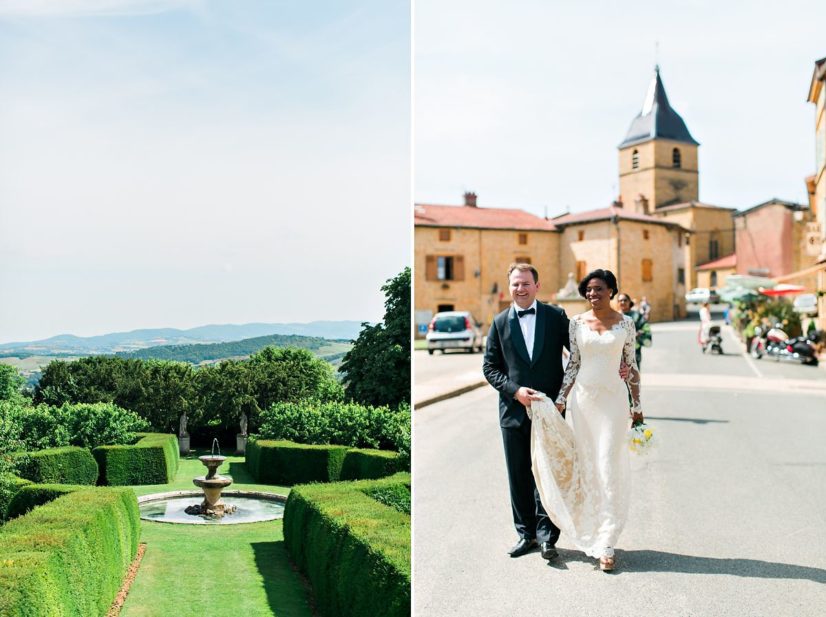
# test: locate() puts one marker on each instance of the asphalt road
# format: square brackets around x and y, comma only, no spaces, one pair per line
[727,516]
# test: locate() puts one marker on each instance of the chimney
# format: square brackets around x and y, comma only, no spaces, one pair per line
[617,202]
[641,204]
[470,199]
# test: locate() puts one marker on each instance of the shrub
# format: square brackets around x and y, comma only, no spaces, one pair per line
[354,550]
[287,463]
[68,557]
[152,460]
[68,465]
[394,495]
[345,424]
[32,495]
[369,464]
[9,486]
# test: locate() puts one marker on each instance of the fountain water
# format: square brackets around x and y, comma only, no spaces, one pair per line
[212,484]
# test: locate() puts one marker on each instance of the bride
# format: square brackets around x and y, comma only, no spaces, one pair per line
[581,459]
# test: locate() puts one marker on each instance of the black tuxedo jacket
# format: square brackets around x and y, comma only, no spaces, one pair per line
[507,365]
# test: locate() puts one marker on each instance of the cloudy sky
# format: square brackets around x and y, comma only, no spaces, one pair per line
[525,102]
[183,162]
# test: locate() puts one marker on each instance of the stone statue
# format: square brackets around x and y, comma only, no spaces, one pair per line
[182,426]
[570,291]
[244,424]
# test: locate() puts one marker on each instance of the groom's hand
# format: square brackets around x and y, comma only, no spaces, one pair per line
[624,370]
[526,395]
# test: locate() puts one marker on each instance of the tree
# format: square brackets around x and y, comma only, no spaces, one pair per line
[377,369]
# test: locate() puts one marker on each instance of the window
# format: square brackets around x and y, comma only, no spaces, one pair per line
[645,234]
[444,268]
[713,282]
[523,260]
[647,271]
[581,270]
[444,308]
[635,159]
[679,239]
[713,247]
[676,158]
[580,235]
[681,276]
[444,235]
[523,238]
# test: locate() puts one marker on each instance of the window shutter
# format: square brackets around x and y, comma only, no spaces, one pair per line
[647,271]
[459,268]
[430,272]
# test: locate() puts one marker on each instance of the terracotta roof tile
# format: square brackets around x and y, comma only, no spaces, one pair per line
[604,214]
[729,261]
[431,215]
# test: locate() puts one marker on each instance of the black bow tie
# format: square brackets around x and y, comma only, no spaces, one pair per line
[530,311]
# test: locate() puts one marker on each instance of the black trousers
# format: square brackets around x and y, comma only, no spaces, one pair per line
[529,517]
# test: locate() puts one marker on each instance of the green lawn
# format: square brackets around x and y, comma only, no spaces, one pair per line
[218,570]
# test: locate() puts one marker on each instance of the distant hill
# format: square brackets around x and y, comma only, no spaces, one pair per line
[206,352]
[70,345]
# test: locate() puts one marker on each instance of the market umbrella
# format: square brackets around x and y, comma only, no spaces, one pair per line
[782,290]
[735,294]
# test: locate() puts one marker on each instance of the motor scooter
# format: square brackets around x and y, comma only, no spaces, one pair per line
[777,344]
[713,340]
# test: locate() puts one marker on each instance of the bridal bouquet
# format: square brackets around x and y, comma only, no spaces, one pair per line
[641,438]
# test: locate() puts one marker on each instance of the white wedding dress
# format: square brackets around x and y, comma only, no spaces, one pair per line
[581,462]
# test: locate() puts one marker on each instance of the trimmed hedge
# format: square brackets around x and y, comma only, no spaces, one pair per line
[68,465]
[370,464]
[152,460]
[33,495]
[13,485]
[354,550]
[288,463]
[69,556]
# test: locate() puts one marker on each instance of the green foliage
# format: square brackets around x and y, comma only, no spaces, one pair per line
[370,464]
[195,354]
[394,495]
[287,463]
[354,550]
[345,424]
[31,495]
[377,369]
[766,312]
[152,460]
[86,425]
[9,486]
[67,465]
[11,383]
[68,557]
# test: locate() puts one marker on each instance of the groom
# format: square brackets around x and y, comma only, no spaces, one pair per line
[523,359]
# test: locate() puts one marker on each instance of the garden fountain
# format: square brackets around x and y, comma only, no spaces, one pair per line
[212,484]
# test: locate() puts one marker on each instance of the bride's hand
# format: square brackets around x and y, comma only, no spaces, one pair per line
[636,418]
[560,407]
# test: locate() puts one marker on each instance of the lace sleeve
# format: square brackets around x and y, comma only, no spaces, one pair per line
[573,364]
[628,352]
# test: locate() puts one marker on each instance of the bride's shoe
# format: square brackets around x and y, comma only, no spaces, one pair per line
[606,564]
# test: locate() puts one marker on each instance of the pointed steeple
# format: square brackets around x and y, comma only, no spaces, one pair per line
[657,118]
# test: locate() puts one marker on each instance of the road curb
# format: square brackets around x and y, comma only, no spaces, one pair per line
[446,395]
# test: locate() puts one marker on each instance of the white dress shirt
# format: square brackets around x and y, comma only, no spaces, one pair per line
[527,324]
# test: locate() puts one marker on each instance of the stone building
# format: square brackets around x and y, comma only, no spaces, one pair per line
[771,242]
[816,235]
[715,273]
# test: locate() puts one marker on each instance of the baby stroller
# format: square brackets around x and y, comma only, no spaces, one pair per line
[712,340]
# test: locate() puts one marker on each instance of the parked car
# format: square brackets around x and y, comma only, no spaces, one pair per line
[700,295]
[806,304]
[454,330]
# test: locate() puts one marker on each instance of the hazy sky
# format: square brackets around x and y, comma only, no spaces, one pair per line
[178,163]
[525,102]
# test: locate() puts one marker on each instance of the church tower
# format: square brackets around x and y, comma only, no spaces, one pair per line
[658,157]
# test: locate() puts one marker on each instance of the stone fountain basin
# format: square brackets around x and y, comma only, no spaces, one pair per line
[253,507]
[213,482]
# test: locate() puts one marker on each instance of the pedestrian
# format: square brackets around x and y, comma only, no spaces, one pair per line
[582,463]
[705,324]
[645,308]
[643,337]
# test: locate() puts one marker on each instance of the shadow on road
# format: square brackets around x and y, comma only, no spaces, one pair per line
[658,561]
[692,420]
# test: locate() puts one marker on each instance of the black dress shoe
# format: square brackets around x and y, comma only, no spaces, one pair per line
[548,551]
[523,547]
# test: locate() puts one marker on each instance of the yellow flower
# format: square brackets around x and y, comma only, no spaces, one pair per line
[648,433]
[637,440]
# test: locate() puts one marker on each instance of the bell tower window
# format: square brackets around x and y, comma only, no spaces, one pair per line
[635,159]
[676,158]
